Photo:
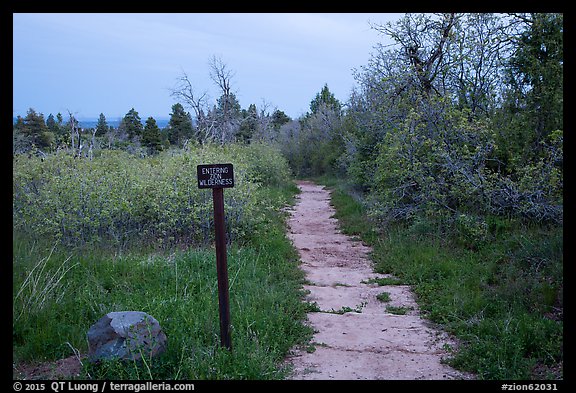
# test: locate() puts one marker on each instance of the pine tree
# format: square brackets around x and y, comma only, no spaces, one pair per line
[279,118]
[327,98]
[51,123]
[151,137]
[248,125]
[102,126]
[36,131]
[180,125]
[132,125]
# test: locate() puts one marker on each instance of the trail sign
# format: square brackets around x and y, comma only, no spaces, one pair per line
[217,177]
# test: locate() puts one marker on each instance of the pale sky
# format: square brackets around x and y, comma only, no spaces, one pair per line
[92,63]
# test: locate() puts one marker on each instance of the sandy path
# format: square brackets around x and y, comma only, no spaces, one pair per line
[372,343]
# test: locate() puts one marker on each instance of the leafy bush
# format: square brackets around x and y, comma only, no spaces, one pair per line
[436,164]
[118,197]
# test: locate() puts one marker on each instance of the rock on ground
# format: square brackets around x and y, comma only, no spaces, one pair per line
[125,335]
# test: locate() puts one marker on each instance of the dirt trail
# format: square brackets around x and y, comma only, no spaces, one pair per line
[355,337]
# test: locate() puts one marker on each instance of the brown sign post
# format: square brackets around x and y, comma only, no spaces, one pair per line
[217,177]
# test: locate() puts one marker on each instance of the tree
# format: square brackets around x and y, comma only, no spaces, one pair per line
[151,137]
[76,143]
[132,125]
[461,115]
[327,98]
[279,118]
[19,125]
[185,92]
[51,124]
[424,40]
[312,144]
[180,126]
[474,61]
[248,125]
[228,109]
[101,126]
[535,74]
[218,122]
[20,142]
[35,130]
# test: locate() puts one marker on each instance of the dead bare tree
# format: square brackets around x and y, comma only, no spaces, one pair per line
[92,143]
[74,134]
[184,91]
[212,124]
[264,121]
[221,75]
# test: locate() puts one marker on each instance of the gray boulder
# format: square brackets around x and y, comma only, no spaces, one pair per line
[125,335]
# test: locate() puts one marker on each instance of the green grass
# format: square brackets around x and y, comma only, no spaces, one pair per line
[397,310]
[383,297]
[502,299]
[179,289]
[346,309]
[384,281]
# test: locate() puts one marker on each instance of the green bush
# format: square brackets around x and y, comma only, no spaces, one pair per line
[119,198]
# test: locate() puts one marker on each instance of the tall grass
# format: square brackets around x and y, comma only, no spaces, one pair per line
[40,287]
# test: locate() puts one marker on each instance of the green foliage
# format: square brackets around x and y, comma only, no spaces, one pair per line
[101,126]
[495,284]
[248,125]
[327,99]
[51,124]
[60,291]
[279,118]
[117,198]
[31,132]
[178,288]
[536,76]
[180,126]
[151,137]
[431,166]
[313,144]
[441,127]
[383,297]
[131,124]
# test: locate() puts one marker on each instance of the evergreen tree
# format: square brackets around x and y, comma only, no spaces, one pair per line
[102,126]
[536,77]
[227,114]
[279,118]
[132,125]
[180,125]
[36,131]
[248,125]
[327,98]
[151,137]
[51,123]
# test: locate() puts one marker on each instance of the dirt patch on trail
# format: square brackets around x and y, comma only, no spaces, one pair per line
[356,337]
